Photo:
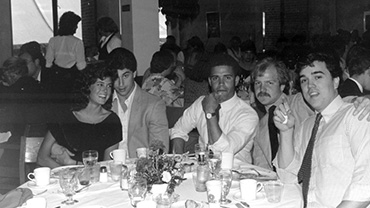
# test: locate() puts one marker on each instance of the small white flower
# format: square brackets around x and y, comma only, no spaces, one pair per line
[166,176]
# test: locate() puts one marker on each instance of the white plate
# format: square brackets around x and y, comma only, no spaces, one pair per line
[56,171]
[259,196]
[32,184]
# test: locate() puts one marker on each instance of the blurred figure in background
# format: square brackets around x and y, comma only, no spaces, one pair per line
[109,36]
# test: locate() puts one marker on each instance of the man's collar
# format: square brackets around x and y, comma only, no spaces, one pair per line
[230,103]
[358,84]
[277,102]
[332,108]
[115,95]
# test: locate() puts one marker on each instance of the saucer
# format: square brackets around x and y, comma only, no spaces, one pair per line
[237,196]
[32,184]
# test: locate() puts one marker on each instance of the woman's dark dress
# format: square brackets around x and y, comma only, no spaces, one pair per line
[77,136]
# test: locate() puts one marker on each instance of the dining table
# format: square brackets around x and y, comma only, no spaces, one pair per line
[110,195]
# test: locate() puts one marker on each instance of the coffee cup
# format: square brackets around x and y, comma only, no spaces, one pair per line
[41,176]
[141,152]
[249,189]
[118,155]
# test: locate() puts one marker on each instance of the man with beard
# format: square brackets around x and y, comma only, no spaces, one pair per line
[224,121]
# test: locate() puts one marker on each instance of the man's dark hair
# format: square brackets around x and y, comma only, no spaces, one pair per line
[358,65]
[89,76]
[332,63]
[161,60]
[68,23]
[121,58]
[33,48]
[107,24]
[223,60]
[15,65]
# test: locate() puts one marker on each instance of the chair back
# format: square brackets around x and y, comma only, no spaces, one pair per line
[29,149]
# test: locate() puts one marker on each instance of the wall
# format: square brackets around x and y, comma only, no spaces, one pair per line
[5,31]
[88,15]
[350,15]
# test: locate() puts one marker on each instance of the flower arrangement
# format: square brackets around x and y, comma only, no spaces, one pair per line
[159,168]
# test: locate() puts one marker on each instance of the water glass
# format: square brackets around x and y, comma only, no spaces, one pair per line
[115,170]
[225,176]
[137,188]
[274,190]
[124,178]
[214,188]
[90,157]
[68,183]
[214,162]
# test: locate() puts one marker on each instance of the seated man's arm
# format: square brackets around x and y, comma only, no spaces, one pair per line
[186,123]
[158,124]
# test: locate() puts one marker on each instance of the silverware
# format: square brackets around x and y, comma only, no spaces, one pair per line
[244,203]
[240,173]
[79,190]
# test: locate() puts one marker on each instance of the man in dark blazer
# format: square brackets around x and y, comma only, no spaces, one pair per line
[142,115]
[359,80]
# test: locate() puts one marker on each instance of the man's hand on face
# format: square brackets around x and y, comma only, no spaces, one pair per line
[210,103]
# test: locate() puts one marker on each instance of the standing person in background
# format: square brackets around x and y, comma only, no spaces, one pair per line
[234,50]
[65,54]
[109,36]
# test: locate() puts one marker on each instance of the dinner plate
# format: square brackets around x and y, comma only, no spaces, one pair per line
[238,197]
[265,173]
[32,184]
[55,172]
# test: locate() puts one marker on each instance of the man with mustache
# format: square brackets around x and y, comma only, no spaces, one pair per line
[270,79]
[224,121]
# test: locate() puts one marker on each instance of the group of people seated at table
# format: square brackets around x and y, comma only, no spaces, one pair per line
[317,137]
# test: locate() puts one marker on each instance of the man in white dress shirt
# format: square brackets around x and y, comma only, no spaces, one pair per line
[333,160]
[224,121]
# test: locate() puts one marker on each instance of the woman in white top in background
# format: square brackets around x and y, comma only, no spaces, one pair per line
[65,54]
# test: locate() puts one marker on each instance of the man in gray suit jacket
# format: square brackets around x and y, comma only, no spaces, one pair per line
[142,115]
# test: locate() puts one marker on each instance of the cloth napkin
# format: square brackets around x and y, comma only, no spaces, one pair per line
[15,197]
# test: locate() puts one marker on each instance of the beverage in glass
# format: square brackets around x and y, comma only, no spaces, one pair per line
[68,183]
[274,190]
[137,188]
[225,176]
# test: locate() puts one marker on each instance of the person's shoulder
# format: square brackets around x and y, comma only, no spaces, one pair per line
[147,97]
[112,118]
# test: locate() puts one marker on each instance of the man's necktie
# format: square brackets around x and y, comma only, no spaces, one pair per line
[273,133]
[304,173]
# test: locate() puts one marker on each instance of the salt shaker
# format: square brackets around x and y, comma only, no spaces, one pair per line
[103,174]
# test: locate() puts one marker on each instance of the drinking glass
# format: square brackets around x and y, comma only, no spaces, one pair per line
[201,149]
[225,176]
[90,157]
[68,182]
[137,188]
[214,162]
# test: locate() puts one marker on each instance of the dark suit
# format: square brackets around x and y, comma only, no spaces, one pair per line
[349,88]
[147,121]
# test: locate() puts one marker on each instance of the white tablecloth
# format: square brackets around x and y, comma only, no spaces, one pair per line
[109,195]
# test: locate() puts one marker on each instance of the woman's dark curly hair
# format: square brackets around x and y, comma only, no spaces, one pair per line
[89,76]
[68,23]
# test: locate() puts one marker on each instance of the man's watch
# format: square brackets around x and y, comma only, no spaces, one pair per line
[210,115]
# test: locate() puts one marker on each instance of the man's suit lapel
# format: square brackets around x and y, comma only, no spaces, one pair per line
[133,115]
